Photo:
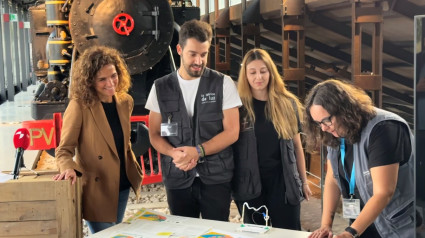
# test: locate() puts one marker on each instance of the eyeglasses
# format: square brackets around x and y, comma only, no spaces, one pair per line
[327,121]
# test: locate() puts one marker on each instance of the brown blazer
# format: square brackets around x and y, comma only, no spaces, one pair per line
[87,135]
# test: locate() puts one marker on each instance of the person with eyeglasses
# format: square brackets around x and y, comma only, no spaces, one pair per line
[369,162]
[269,158]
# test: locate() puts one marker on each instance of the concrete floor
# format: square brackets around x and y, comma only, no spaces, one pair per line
[311,212]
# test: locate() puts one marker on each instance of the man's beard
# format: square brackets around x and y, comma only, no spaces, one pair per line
[195,74]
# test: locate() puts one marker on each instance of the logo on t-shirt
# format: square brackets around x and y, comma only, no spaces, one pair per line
[208,98]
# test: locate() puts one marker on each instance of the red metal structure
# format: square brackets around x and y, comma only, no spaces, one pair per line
[45,135]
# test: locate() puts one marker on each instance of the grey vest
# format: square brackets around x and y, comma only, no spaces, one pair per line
[205,124]
[246,183]
[397,218]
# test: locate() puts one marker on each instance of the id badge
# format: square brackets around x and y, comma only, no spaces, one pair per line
[169,129]
[350,208]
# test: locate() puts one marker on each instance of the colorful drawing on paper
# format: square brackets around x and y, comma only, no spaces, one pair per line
[152,217]
[122,236]
[143,214]
[215,235]
[166,233]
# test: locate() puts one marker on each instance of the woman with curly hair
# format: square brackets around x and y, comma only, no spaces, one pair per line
[96,130]
[370,162]
[269,158]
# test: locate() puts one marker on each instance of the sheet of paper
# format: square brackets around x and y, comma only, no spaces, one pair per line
[129,231]
[5,177]
[222,234]
[150,224]
[129,235]
[140,226]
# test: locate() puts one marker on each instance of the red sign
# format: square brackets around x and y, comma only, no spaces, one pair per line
[6,17]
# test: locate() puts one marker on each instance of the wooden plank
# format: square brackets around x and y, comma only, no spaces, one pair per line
[37,236]
[28,228]
[66,201]
[368,82]
[40,207]
[63,210]
[28,211]
[78,208]
[16,191]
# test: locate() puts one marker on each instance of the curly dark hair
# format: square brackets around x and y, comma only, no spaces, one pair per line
[350,106]
[199,30]
[88,65]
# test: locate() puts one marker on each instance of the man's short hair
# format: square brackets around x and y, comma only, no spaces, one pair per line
[199,30]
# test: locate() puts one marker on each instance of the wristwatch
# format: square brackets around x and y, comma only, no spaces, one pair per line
[352,231]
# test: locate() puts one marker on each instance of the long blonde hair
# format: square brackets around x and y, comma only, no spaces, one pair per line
[280,104]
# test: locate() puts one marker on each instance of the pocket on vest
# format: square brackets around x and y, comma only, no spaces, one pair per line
[245,149]
[403,218]
[291,151]
[217,163]
[246,185]
[171,102]
[294,193]
[170,169]
[210,124]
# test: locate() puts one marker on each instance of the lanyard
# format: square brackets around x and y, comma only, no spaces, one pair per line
[352,181]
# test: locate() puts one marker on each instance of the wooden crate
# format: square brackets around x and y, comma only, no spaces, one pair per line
[40,207]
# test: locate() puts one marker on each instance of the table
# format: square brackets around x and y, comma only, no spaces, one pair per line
[142,226]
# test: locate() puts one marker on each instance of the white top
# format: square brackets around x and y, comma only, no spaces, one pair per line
[189,89]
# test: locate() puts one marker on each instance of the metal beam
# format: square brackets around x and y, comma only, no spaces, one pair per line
[406,8]
[403,108]
[292,17]
[15,49]
[408,99]
[345,30]
[2,73]
[404,98]
[7,56]
[22,49]
[331,51]
[222,31]
[365,14]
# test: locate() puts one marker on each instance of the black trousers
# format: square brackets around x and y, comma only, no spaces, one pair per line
[209,201]
[281,214]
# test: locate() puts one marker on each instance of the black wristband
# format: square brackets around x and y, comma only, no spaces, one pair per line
[352,231]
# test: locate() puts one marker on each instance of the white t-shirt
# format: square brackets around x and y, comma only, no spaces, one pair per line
[189,89]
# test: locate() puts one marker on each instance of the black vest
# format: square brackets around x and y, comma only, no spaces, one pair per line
[246,183]
[205,124]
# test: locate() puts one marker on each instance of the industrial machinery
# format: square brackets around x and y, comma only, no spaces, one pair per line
[144,31]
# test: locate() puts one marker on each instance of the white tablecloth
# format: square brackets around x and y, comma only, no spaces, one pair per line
[149,224]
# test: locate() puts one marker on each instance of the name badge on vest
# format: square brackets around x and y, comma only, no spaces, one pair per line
[170,128]
[350,208]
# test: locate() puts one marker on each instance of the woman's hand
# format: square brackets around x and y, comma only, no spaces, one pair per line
[68,174]
[306,191]
[322,232]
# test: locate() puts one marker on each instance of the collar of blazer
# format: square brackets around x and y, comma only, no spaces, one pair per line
[101,121]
